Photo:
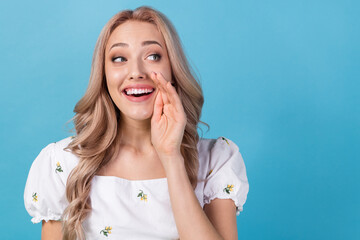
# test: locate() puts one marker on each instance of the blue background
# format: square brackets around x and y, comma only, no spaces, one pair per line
[280,79]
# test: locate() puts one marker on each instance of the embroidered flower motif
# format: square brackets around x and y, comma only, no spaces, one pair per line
[228,189]
[225,140]
[142,195]
[58,167]
[106,231]
[34,196]
[209,172]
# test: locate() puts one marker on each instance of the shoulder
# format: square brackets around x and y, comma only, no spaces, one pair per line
[214,153]
[44,194]
[224,171]
[55,158]
[206,144]
[65,155]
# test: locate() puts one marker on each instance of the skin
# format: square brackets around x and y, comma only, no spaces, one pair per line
[51,230]
[152,132]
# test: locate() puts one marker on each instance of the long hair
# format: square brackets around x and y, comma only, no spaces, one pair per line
[97,117]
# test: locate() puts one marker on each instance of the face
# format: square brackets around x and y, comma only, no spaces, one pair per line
[133,51]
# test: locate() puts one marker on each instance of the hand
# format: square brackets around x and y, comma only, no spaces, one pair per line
[168,120]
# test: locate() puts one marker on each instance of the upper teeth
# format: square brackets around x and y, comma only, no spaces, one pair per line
[138,91]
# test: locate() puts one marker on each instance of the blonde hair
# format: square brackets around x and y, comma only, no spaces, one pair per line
[97,118]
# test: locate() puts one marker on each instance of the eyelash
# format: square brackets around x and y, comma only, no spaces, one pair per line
[155,54]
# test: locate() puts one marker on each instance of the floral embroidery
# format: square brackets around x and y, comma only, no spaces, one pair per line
[143,196]
[106,231]
[228,189]
[34,196]
[209,172]
[225,140]
[58,167]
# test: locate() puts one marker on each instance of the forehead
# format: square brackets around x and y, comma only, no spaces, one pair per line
[134,33]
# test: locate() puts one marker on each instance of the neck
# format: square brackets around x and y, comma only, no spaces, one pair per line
[135,134]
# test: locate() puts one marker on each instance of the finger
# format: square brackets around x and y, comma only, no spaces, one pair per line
[162,86]
[157,83]
[174,97]
[171,92]
[154,78]
[163,83]
[158,107]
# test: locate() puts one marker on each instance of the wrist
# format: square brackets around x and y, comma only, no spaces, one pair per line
[170,162]
[168,156]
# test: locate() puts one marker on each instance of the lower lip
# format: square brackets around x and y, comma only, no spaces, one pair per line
[138,99]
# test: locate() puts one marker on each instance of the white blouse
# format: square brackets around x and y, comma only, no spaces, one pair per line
[132,209]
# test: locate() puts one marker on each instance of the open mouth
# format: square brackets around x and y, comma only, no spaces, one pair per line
[138,92]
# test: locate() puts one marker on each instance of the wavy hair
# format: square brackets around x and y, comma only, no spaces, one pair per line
[97,117]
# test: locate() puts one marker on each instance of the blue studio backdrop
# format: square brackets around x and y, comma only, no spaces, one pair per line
[280,79]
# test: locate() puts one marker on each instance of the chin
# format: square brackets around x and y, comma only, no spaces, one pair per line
[140,116]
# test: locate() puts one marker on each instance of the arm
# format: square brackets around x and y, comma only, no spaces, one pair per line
[167,129]
[191,221]
[51,230]
[221,213]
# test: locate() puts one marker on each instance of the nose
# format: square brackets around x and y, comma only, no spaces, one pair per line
[137,71]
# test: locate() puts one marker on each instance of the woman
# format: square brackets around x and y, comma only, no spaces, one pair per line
[136,168]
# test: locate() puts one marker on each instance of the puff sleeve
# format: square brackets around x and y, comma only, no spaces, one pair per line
[44,194]
[226,177]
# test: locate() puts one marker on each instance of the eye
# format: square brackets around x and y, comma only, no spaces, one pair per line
[156,56]
[118,59]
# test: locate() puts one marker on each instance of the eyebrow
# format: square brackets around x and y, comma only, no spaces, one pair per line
[145,43]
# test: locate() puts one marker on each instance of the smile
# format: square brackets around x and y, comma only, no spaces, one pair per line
[138,94]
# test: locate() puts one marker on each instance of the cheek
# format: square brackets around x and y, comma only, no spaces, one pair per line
[114,79]
[114,83]
[166,71]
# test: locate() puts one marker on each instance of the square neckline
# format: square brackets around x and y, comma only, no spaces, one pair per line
[129,180]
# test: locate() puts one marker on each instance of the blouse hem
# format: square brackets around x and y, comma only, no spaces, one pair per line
[46,219]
